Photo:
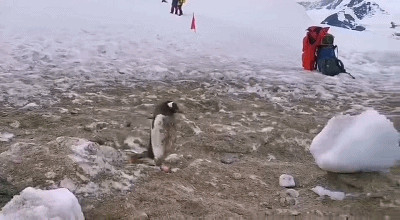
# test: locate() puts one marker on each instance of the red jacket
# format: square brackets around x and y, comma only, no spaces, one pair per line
[311,42]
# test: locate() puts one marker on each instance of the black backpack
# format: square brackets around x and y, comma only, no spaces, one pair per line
[328,63]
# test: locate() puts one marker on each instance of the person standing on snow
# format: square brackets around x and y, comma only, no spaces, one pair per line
[174,7]
[180,3]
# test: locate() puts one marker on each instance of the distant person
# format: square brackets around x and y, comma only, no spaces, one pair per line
[180,3]
[164,1]
[174,7]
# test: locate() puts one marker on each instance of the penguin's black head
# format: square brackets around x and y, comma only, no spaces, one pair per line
[167,108]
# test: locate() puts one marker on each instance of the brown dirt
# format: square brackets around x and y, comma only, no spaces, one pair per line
[204,187]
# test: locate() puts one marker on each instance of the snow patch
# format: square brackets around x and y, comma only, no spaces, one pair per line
[37,204]
[97,162]
[6,137]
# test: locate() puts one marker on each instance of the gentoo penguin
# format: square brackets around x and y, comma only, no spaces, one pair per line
[163,131]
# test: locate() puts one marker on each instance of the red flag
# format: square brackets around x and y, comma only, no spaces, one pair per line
[193,26]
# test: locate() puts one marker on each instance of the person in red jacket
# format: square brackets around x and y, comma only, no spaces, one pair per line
[311,42]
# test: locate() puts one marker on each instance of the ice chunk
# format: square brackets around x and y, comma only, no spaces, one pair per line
[365,142]
[36,204]
[324,192]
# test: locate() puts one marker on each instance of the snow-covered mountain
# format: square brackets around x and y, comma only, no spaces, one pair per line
[359,8]
[353,14]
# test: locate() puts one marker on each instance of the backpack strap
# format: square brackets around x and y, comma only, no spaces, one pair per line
[340,64]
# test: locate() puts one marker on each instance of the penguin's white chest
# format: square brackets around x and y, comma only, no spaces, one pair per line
[158,136]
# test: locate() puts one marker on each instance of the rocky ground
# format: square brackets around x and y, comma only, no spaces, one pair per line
[232,146]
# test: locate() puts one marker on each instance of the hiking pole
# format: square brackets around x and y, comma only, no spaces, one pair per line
[351,75]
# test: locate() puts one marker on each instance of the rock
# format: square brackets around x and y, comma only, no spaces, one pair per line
[68,183]
[271,157]
[140,216]
[165,168]
[265,205]
[348,22]
[288,211]
[229,158]
[294,212]
[15,124]
[173,158]
[6,137]
[286,180]
[50,175]
[237,176]
[196,163]
[288,197]
[75,111]
[282,201]
[31,106]
[291,201]
[318,213]
[174,170]
[7,191]
[292,193]
[95,126]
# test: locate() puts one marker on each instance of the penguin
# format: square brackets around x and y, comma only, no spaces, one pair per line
[163,131]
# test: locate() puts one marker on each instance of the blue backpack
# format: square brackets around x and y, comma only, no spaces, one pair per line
[328,63]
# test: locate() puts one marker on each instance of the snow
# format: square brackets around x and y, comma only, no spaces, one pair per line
[57,46]
[37,204]
[365,142]
[96,160]
[322,192]
[6,137]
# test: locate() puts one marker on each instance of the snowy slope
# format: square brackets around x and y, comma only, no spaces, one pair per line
[374,15]
[62,45]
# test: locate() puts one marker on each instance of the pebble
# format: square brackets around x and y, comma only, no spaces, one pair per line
[288,197]
[95,126]
[292,193]
[15,124]
[75,111]
[318,213]
[229,158]
[140,216]
[165,168]
[50,175]
[174,170]
[266,205]
[237,176]
[286,180]
[173,158]
[288,211]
